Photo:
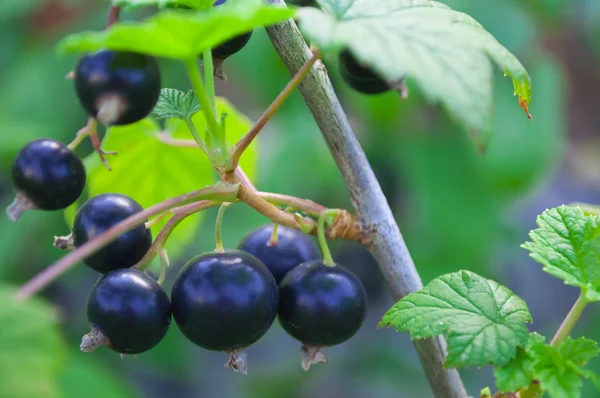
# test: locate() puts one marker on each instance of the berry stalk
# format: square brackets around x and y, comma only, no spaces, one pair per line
[239,148]
[327,217]
[179,214]
[218,236]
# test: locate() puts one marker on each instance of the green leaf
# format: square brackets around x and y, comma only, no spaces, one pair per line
[175,104]
[449,55]
[567,244]
[180,35]
[484,321]
[579,351]
[85,376]
[515,374]
[150,171]
[519,371]
[553,371]
[592,376]
[32,351]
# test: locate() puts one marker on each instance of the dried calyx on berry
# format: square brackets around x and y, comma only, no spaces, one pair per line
[98,215]
[117,87]
[225,301]
[321,305]
[47,175]
[128,312]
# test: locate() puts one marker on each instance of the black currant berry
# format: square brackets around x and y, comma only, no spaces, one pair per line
[231,46]
[225,302]
[47,176]
[101,213]
[128,311]
[290,249]
[321,306]
[117,87]
[360,77]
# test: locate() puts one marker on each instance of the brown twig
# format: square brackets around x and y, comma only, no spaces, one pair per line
[305,205]
[344,227]
[113,15]
[222,193]
[239,148]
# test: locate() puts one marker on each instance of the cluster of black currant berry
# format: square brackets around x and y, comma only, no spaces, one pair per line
[224,300]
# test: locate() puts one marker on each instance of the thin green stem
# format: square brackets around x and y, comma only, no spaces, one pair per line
[164,264]
[274,238]
[325,216]
[209,80]
[224,206]
[196,80]
[178,215]
[196,135]
[572,317]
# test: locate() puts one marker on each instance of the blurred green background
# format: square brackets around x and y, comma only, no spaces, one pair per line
[456,208]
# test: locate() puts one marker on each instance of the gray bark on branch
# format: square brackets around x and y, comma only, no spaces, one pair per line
[386,243]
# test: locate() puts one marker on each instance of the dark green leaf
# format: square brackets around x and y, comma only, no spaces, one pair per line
[484,321]
[519,371]
[175,104]
[85,376]
[32,351]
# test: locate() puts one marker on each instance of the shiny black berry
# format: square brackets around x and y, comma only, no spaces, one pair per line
[321,305]
[128,311]
[99,214]
[117,87]
[47,175]
[224,301]
[231,46]
[360,77]
[290,249]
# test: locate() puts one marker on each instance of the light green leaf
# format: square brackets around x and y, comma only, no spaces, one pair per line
[85,376]
[519,371]
[579,351]
[559,369]
[484,321]
[567,244]
[32,351]
[515,374]
[175,104]
[449,55]
[175,34]
[150,171]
